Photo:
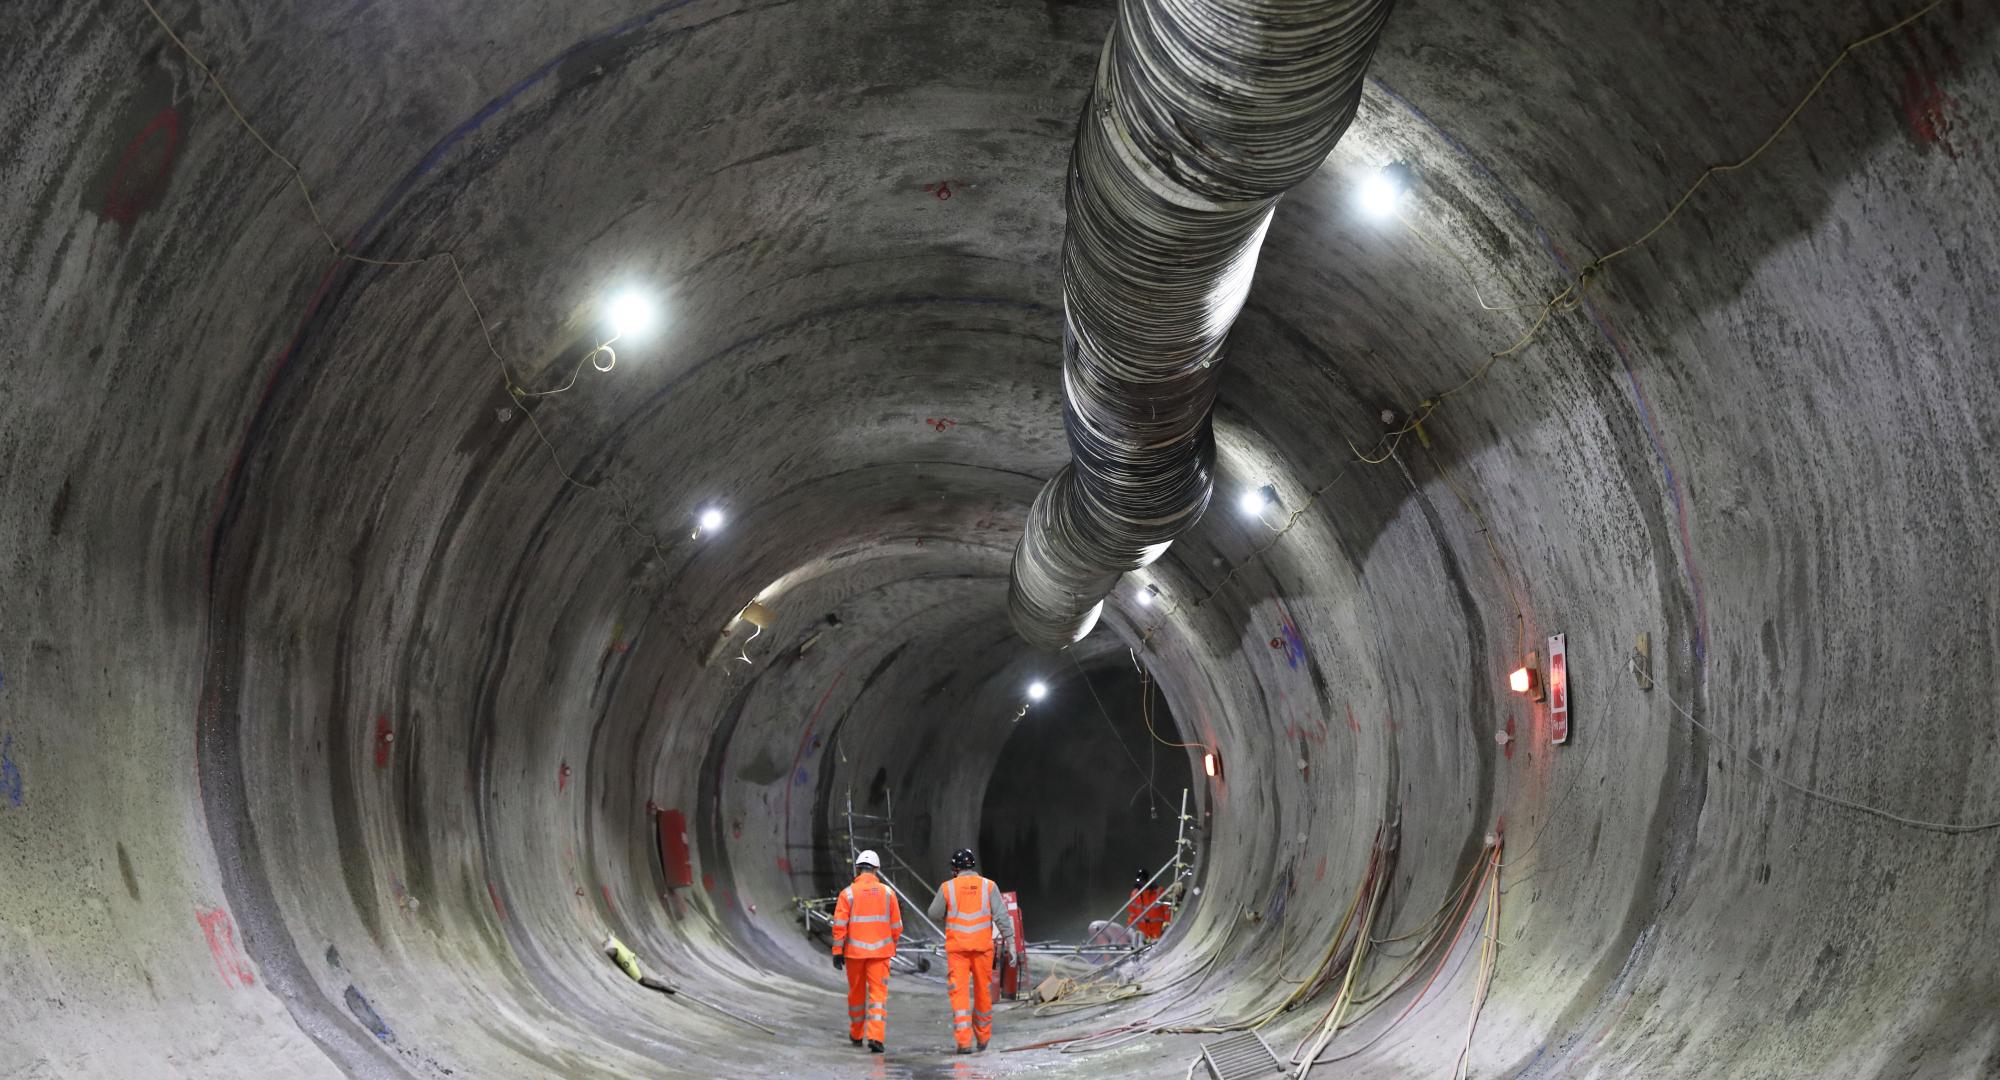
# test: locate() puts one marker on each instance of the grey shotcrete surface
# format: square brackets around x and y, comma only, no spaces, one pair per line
[259,510]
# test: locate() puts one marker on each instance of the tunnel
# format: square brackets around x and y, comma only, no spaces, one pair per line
[1585,666]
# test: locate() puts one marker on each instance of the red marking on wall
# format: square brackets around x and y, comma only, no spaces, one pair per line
[577,889]
[141,175]
[1508,749]
[498,907]
[621,646]
[941,190]
[942,423]
[562,778]
[708,882]
[230,963]
[676,861]
[1928,110]
[385,740]
[784,864]
[652,808]
[1320,874]
[1351,724]
[606,890]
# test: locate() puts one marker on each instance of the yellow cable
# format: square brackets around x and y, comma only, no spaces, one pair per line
[1146,711]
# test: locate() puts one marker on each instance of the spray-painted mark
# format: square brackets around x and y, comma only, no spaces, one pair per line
[1507,748]
[230,963]
[10,773]
[942,423]
[1351,724]
[1288,638]
[784,864]
[708,882]
[1289,642]
[941,190]
[562,778]
[498,907]
[802,778]
[365,1013]
[1320,874]
[385,740]
[142,170]
[1929,111]
[605,891]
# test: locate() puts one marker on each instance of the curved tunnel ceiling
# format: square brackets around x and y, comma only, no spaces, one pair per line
[331,713]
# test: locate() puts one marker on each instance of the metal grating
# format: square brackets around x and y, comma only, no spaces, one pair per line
[1240,1056]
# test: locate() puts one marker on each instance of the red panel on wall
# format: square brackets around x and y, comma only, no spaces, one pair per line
[674,849]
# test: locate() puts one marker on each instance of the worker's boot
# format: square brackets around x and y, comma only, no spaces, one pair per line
[965,1049]
[982,1044]
[856,1042]
[874,1046]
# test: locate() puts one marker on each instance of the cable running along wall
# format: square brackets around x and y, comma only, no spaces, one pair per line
[1203,114]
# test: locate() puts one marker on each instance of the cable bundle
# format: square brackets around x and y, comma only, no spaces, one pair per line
[1204,112]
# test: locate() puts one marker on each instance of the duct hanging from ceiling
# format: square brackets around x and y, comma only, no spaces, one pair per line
[1204,112]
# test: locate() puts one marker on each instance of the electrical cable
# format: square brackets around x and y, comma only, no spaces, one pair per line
[1947,827]
[1146,711]
[626,513]
[1116,737]
[1569,298]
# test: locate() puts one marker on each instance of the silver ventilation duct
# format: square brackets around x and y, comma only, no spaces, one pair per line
[1204,112]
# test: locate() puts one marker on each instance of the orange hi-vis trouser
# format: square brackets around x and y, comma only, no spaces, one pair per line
[867,920]
[971,996]
[868,999]
[968,946]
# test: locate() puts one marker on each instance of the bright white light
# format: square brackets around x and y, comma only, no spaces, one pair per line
[1037,691]
[1381,192]
[631,314]
[711,520]
[1145,596]
[1253,503]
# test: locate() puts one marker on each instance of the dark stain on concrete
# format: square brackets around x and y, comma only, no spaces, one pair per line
[125,871]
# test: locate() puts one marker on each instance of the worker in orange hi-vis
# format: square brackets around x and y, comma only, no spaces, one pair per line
[1145,913]
[972,909]
[866,923]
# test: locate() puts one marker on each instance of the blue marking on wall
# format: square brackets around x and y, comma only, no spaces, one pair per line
[10,773]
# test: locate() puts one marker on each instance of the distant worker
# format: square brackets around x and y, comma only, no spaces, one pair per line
[629,963]
[866,923]
[972,908]
[1145,912]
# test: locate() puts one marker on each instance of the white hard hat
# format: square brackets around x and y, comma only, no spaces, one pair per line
[611,944]
[867,858]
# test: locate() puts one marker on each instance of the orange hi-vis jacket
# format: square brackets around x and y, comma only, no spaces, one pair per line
[1146,914]
[867,920]
[968,914]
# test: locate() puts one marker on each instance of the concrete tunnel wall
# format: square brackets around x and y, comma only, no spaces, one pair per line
[254,500]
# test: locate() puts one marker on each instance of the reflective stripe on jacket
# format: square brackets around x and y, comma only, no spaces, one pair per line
[867,920]
[971,904]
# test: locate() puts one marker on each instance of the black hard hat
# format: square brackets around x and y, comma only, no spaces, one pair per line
[1139,877]
[962,859]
